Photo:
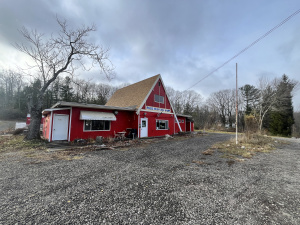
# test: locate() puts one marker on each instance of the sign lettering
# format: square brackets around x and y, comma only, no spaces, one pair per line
[158,109]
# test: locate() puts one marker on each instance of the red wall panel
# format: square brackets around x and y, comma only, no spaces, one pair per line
[46,127]
[158,90]
[48,122]
[125,119]
[182,125]
[152,118]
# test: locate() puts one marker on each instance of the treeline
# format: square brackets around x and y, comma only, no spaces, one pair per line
[15,92]
[265,107]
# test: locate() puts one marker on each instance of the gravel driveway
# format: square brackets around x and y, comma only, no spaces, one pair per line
[155,184]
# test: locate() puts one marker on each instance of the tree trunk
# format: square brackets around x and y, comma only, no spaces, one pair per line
[35,119]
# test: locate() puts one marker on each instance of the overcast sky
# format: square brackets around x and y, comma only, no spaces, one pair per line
[181,40]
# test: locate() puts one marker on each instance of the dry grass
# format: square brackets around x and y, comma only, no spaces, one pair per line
[108,140]
[17,143]
[208,152]
[248,145]
[38,151]
[15,146]
[198,162]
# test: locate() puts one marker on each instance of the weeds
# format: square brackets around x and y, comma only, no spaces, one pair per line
[35,150]
[208,152]
[17,143]
[248,145]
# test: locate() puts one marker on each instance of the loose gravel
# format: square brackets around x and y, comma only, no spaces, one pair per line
[166,182]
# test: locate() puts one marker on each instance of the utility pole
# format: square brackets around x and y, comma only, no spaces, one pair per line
[236,105]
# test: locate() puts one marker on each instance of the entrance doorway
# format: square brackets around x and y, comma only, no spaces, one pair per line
[144,127]
[60,127]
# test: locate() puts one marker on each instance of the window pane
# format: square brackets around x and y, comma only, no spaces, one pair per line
[87,125]
[144,123]
[162,124]
[107,125]
[96,125]
[101,125]
[161,99]
[158,98]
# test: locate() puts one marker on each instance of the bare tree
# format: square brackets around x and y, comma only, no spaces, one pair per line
[176,99]
[190,99]
[11,83]
[56,55]
[267,97]
[223,102]
[296,127]
[184,101]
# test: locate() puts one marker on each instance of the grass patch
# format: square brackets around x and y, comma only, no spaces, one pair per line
[17,143]
[17,146]
[218,131]
[248,145]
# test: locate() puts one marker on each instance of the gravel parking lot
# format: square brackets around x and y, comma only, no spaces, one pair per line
[166,182]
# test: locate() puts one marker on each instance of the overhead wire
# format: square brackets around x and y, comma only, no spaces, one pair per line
[249,46]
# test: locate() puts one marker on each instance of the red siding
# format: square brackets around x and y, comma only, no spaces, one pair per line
[189,126]
[46,127]
[48,120]
[158,90]
[125,119]
[182,125]
[152,117]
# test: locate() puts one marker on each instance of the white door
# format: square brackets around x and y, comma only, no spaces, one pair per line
[144,127]
[60,127]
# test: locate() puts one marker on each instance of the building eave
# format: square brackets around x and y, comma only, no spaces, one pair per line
[92,106]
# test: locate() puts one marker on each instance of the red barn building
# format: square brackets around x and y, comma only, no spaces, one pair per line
[142,108]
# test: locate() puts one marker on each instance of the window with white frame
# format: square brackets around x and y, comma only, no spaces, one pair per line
[96,125]
[159,99]
[162,124]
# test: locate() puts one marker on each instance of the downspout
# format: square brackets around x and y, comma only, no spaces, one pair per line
[174,126]
[50,128]
[138,125]
[177,122]
[70,122]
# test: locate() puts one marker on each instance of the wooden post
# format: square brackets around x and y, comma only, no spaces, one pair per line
[236,107]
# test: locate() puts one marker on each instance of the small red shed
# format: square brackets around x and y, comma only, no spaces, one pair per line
[142,108]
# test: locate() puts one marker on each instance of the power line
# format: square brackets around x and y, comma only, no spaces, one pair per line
[249,46]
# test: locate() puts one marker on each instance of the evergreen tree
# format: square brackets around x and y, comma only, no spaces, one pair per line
[66,90]
[56,90]
[281,117]
[188,109]
[250,94]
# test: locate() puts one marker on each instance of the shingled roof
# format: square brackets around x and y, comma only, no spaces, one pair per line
[134,94]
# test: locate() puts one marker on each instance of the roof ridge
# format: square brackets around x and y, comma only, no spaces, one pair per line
[140,81]
[133,94]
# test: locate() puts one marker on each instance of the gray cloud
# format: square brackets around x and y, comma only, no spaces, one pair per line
[181,40]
